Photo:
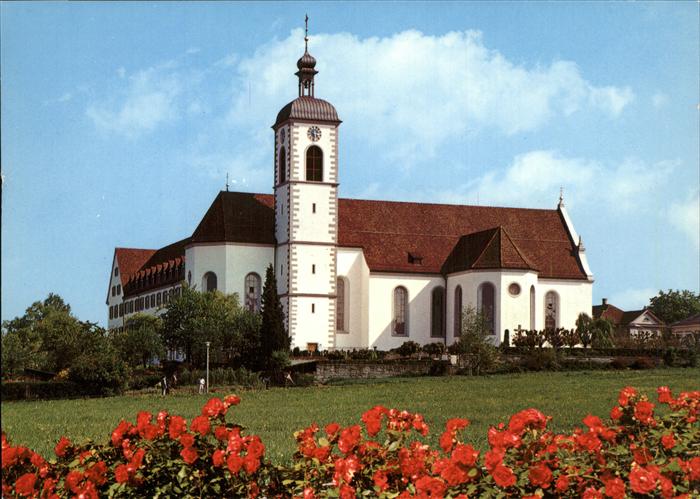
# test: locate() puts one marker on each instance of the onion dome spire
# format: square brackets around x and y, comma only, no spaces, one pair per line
[306,65]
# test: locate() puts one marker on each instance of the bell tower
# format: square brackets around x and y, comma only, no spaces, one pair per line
[306,211]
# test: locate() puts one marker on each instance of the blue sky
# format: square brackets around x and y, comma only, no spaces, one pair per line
[121,120]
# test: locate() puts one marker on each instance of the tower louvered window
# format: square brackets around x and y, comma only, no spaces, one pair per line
[314,164]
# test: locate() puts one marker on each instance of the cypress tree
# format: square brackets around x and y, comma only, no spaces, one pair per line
[273,334]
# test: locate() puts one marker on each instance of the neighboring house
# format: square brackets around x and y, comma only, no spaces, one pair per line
[633,323]
[355,273]
[687,328]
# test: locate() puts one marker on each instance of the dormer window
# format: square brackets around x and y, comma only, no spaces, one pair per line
[415,258]
[116,271]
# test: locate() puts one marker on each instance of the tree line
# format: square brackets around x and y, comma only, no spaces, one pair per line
[49,337]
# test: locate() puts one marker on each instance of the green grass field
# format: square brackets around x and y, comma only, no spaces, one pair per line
[276,413]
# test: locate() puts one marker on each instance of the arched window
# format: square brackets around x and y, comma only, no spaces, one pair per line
[551,310]
[252,292]
[341,306]
[458,312]
[437,312]
[314,164]
[486,304]
[400,322]
[283,164]
[209,282]
[532,307]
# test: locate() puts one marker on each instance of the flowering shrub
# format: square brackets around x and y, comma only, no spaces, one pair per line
[634,453]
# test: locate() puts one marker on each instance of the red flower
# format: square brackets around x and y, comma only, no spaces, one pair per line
[214,408]
[493,458]
[616,413]
[349,438]
[592,421]
[332,429]
[614,488]
[592,493]
[641,455]
[347,492]
[540,475]
[625,394]
[381,481]
[527,418]
[373,419]
[230,400]
[433,487]
[465,455]
[24,486]
[562,483]
[694,466]
[121,473]
[664,393]
[178,425]
[62,447]
[644,412]
[189,455]
[503,476]
[187,440]
[234,463]
[668,441]
[251,464]
[642,480]
[217,458]
[201,425]
[309,493]
[97,473]
[118,434]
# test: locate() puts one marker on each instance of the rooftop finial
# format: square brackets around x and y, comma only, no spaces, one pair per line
[306,66]
[561,196]
[226,181]
[306,34]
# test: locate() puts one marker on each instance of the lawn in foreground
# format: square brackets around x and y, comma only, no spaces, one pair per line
[276,413]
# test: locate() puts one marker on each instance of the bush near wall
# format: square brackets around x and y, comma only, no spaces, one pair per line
[26,390]
[634,453]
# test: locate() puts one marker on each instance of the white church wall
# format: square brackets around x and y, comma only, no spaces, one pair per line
[575,297]
[314,213]
[351,266]
[470,282]
[312,269]
[311,321]
[242,259]
[115,300]
[515,308]
[381,298]
[231,262]
[282,269]
[281,211]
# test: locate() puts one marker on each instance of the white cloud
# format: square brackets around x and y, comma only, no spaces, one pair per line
[659,100]
[148,101]
[632,298]
[534,178]
[685,216]
[425,90]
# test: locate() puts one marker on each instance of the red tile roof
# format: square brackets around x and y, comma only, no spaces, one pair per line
[440,238]
[164,267]
[386,230]
[238,216]
[608,311]
[130,260]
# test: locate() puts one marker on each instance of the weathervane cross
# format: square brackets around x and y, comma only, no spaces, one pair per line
[306,34]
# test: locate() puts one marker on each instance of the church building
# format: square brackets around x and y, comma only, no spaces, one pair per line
[355,273]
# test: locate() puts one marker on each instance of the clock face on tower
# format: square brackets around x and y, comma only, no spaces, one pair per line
[314,133]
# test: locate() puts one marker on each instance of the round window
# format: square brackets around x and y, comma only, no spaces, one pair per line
[514,289]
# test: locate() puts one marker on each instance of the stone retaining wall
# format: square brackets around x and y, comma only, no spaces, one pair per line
[326,371]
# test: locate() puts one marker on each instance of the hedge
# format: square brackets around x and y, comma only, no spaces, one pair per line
[21,390]
[636,452]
